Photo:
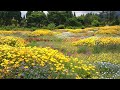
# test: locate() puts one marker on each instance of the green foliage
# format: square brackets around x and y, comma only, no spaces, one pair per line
[36,19]
[60,27]
[69,27]
[96,49]
[82,27]
[95,23]
[82,49]
[44,27]
[61,19]
[7,16]
[73,22]
[51,26]
[32,44]
[110,48]
[33,28]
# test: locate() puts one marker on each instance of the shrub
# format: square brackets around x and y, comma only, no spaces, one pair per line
[51,26]
[33,28]
[44,27]
[95,23]
[82,27]
[70,27]
[60,27]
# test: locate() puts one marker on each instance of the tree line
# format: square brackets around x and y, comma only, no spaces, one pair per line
[59,19]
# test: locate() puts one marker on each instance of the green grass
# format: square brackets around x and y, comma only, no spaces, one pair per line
[82,49]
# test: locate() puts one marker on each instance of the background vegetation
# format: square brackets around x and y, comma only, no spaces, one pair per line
[56,19]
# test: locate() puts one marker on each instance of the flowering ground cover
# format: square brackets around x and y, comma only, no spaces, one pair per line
[90,53]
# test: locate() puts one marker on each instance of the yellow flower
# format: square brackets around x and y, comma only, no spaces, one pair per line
[51,68]
[26,67]
[78,77]
[33,64]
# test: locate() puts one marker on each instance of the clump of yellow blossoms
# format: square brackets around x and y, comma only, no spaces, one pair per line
[37,62]
[105,41]
[77,30]
[6,32]
[108,30]
[81,69]
[40,33]
[85,42]
[12,41]
[19,58]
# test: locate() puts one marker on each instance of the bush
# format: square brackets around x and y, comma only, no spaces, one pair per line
[95,23]
[33,28]
[44,27]
[82,27]
[51,26]
[69,27]
[60,27]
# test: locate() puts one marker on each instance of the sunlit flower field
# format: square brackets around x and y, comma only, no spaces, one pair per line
[90,53]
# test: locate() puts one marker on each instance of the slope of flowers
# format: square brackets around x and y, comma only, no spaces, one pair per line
[85,42]
[77,30]
[109,30]
[6,32]
[104,41]
[40,33]
[36,62]
[12,41]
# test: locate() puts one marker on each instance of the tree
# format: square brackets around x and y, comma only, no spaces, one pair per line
[116,21]
[14,22]
[69,14]
[59,17]
[7,16]
[74,14]
[28,13]
[95,23]
[87,19]
[36,19]
[81,19]
[16,15]
[73,22]
[107,17]
[23,22]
